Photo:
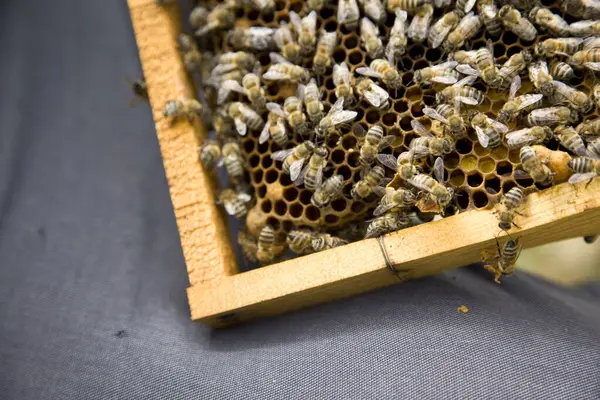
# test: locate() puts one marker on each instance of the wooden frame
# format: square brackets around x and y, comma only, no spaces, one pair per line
[219,297]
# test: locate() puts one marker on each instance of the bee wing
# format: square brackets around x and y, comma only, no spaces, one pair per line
[534,98]
[336,107]
[383,208]
[240,126]
[229,207]
[221,69]
[443,32]
[282,154]
[515,85]
[418,185]
[319,177]
[276,109]
[446,80]
[296,21]
[591,43]
[432,113]
[264,134]
[466,69]
[386,141]
[469,6]
[379,191]
[296,168]
[498,126]
[594,66]
[438,169]
[577,178]
[300,180]
[245,197]
[365,71]
[484,140]
[343,116]
[467,80]
[466,100]
[277,58]
[420,129]
[387,160]
[310,21]
[300,91]
[234,86]
[445,65]
[272,75]
[376,96]
[519,138]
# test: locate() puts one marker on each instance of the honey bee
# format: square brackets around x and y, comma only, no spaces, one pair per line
[589,128]
[294,158]
[515,105]
[558,46]
[342,80]
[507,209]
[435,189]
[312,175]
[585,28]
[188,108]
[311,96]
[577,99]
[462,92]
[221,17]
[584,168]
[513,21]
[541,78]
[549,116]
[372,181]
[373,93]
[292,112]
[403,165]
[244,117]
[198,17]
[234,161]
[190,53]
[571,140]
[488,130]
[396,46]
[330,190]
[250,87]
[529,136]
[369,38]
[395,199]
[237,60]
[583,9]
[489,14]
[468,26]
[534,167]
[586,58]
[283,70]
[441,73]
[467,57]
[374,141]
[286,43]
[236,204]
[440,29]
[274,128]
[300,241]
[388,222]
[139,89]
[223,125]
[324,54]
[325,241]
[418,29]
[449,116]
[266,244]
[265,6]
[428,144]
[561,71]
[336,116]
[374,9]
[258,38]
[248,245]
[486,65]
[505,260]
[549,21]
[348,14]
[408,5]
[513,66]
[384,71]
[306,28]
[209,154]
[593,149]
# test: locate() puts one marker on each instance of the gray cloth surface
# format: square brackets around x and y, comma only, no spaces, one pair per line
[92,278]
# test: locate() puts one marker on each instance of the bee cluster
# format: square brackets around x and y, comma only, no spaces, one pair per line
[341,120]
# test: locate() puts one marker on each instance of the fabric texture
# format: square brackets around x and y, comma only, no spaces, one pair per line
[92,278]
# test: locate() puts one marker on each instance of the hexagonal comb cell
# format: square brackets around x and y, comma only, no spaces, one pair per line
[478,174]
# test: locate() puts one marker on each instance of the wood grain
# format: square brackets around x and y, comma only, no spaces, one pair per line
[206,247]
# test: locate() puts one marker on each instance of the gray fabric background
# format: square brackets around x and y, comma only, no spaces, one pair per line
[92,279]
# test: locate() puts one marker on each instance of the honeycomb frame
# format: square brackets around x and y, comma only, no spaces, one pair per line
[560,212]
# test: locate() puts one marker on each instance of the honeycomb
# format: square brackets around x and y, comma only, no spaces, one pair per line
[479,175]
